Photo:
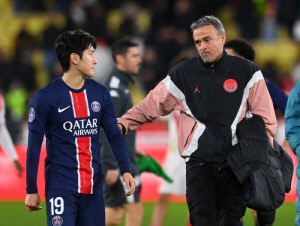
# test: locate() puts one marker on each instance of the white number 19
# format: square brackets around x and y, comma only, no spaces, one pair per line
[58,204]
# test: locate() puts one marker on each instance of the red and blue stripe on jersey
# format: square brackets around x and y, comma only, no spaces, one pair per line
[83,145]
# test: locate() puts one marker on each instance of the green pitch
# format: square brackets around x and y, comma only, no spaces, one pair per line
[15,214]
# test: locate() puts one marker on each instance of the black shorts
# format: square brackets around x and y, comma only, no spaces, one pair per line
[214,196]
[115,195]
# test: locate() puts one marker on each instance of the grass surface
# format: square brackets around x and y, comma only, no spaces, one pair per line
[15,214]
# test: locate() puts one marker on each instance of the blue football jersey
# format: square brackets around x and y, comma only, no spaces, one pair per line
[71,121]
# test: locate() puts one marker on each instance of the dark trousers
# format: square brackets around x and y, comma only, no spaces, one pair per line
[214,196]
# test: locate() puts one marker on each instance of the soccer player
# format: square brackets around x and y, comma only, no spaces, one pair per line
[126,56]
[5,139]
[70,111]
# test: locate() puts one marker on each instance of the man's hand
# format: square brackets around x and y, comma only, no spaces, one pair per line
[19,167]
[122,129]
[130,183]
[112,177]
[139,152]
[32,202]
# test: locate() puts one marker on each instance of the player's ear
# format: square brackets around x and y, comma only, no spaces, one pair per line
[119,59]
[74,58]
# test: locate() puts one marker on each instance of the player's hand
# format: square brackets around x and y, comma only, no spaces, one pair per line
[32,202]
[139,152]
[112,177]
[19,167]
[130,183]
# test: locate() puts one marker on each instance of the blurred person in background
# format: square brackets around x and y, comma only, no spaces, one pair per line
[242,48]
[174,165]
[212,95]
[5,139]
[69,111]
[175,168]
[127,58]
[292,133]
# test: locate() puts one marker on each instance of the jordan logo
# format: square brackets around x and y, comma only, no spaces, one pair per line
[196,90]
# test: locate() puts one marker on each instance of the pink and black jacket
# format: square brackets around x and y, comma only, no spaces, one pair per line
[212,101]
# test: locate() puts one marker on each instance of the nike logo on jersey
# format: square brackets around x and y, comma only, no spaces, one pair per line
[61,110]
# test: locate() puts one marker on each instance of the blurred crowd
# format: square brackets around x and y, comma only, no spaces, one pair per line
[162,27]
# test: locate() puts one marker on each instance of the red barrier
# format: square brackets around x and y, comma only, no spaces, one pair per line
[13,187]
[152,140]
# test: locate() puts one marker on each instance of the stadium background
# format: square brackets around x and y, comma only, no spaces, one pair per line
[27,60]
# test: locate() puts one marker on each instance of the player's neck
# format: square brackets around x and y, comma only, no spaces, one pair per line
[72,80]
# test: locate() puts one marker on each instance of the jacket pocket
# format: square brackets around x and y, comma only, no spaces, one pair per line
[190,134]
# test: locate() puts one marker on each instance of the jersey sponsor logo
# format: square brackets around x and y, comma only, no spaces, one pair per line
[31,115]
[96,106]
[61,110]
[230,85]
[57,221]
[81,127]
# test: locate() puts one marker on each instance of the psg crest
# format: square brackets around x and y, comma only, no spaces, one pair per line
[31,115]
[57,221]
[230,85]
[96,106]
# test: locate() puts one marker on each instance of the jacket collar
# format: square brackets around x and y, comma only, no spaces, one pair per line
[218,63]
[124,77]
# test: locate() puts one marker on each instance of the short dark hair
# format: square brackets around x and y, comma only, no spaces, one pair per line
[69,42]
[208,20]
[121,47]
[242,48]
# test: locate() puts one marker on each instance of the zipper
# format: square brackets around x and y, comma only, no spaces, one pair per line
[187,140]
[199,164]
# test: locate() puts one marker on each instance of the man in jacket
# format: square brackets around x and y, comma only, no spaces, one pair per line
[213,92]
[126,55]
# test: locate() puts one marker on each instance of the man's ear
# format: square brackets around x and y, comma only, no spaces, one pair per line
[119,59]
[74,58]
[223,36]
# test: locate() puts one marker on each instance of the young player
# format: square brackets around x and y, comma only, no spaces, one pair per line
[70,111]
